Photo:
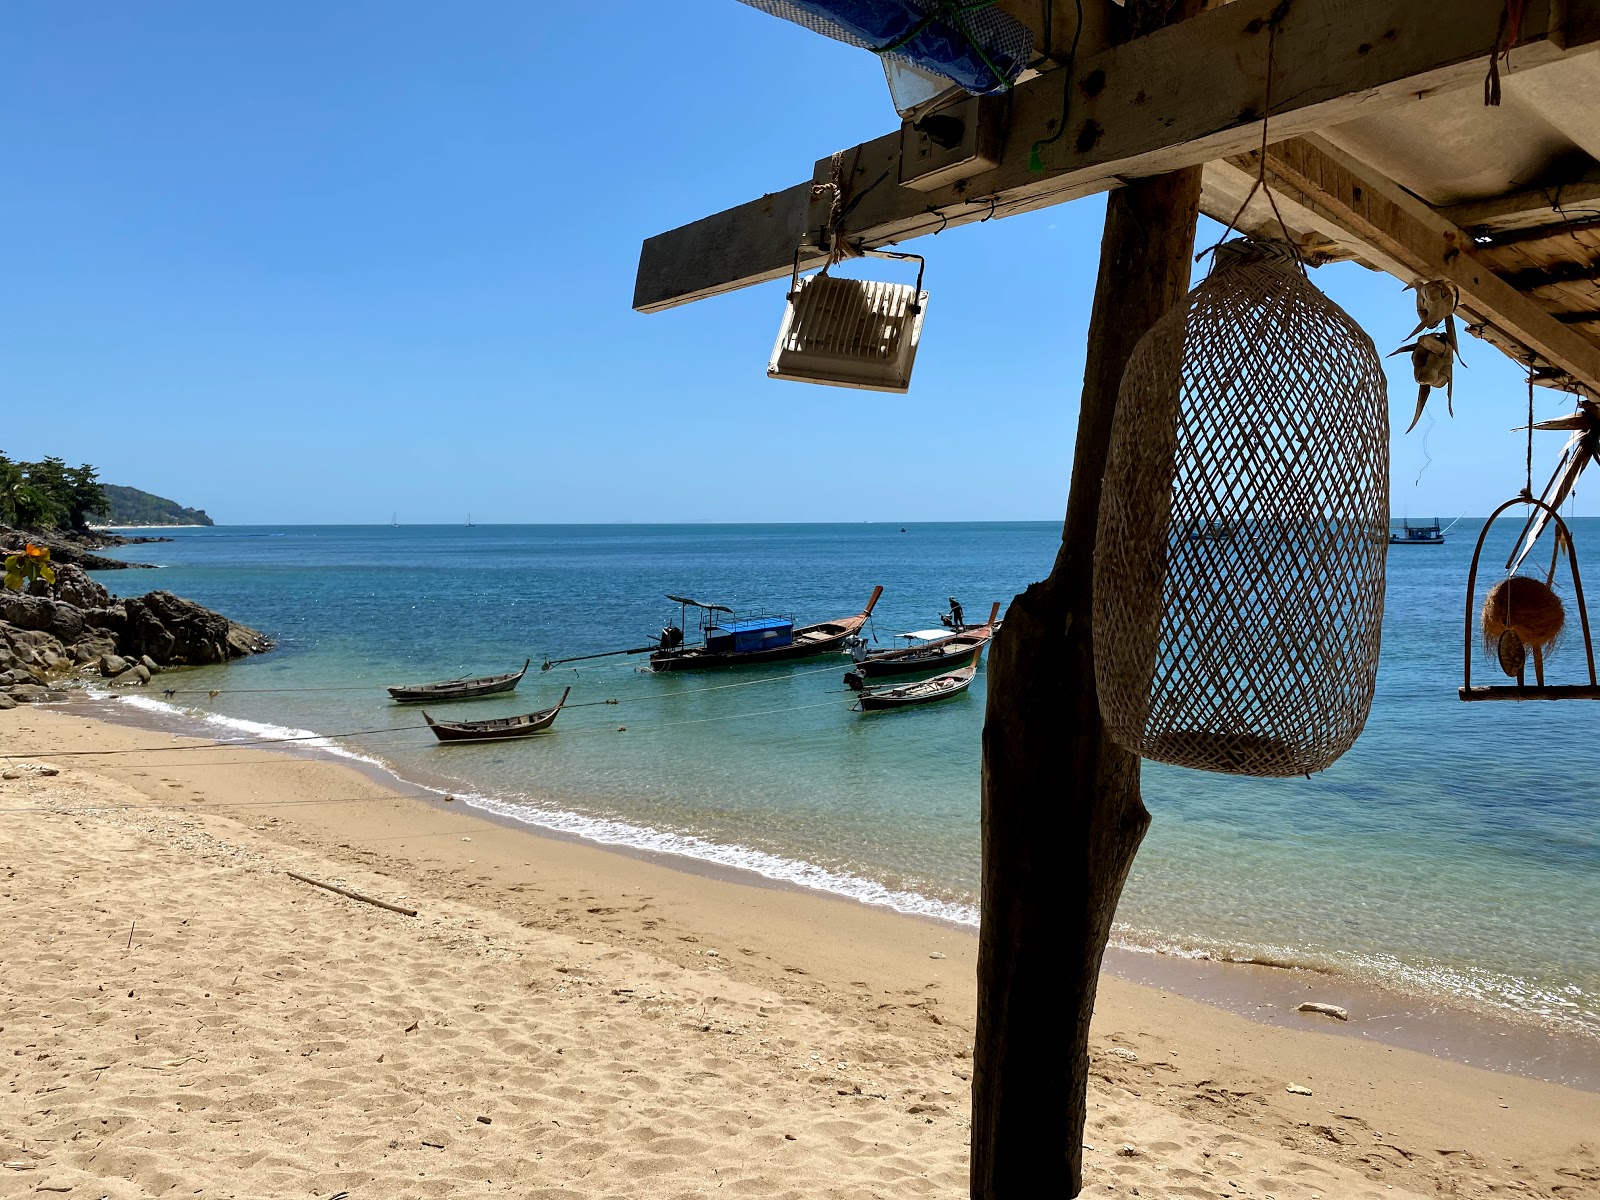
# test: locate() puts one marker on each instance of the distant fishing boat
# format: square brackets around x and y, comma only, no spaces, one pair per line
[936,650]
[727,641]
[928,691]
[460,689]
[1212,530]
[497,729]
[469,520]
[1417,535]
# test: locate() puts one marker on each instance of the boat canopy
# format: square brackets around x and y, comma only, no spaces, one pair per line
[754,633]
[926,635]
[700,604]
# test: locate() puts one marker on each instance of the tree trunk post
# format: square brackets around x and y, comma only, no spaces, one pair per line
[1062,814]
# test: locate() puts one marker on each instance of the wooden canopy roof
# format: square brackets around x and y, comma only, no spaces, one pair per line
[1382,150]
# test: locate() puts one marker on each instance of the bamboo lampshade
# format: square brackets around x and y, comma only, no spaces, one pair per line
[1239,566]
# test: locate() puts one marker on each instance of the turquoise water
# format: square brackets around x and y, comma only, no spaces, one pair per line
[1455,851]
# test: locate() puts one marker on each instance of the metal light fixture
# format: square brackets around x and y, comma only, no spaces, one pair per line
[855,333]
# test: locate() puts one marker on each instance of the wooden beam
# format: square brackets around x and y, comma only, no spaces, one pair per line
[1529,208]
[1178,97]
[1416,240]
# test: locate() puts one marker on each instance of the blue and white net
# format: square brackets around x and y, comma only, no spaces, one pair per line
[973,45]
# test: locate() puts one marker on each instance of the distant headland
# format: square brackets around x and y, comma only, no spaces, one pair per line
[131,508]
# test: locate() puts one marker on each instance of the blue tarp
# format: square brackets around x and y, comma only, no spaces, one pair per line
[755,633]
[976,46]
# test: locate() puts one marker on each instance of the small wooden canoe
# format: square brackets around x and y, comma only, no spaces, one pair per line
[498,729]
[927,691]
[460,689]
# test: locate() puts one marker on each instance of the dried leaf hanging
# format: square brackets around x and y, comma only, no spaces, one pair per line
[1239,568]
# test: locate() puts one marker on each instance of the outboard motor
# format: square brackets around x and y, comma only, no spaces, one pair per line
[671,637]
[857,647]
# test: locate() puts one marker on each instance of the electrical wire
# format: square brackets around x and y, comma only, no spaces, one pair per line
[1035,159]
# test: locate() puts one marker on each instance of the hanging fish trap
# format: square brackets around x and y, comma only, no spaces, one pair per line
[856,333]
[1239,564]
[1522,618]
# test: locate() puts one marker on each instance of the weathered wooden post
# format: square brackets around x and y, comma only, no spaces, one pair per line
[1062,814]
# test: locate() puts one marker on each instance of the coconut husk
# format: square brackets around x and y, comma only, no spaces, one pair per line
[1511,653]
[1527,608]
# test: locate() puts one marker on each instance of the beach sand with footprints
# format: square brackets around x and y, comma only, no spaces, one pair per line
[180,1016]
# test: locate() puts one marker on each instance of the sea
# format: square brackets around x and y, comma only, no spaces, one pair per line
[1453,854]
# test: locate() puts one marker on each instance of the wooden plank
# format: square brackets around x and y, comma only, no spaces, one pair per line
[1407,232]
[1181,96]
[721,252]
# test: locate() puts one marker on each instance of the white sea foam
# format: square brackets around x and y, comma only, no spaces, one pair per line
[604,831]
[256,729]
[769,866]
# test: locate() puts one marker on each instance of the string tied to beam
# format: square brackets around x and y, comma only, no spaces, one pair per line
[1260,184]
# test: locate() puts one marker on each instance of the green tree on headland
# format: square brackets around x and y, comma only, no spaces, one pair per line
[49,494]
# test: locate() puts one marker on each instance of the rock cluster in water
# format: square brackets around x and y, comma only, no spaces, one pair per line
[82,628]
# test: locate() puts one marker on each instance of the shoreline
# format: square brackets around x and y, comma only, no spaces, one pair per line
[1266,993]
[628,1027]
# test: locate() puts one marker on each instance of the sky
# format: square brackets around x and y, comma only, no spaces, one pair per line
[323,263]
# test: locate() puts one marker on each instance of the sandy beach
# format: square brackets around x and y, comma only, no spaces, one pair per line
[180,1016]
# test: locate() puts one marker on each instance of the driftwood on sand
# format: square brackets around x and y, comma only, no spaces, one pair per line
[409,912]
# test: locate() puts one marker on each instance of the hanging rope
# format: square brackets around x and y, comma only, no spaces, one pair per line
[1505,37]
[839,246]
[1527,488]
[1260,183]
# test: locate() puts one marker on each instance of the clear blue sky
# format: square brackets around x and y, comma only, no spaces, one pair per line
[320,262]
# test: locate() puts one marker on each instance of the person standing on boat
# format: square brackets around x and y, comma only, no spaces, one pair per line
[956,614]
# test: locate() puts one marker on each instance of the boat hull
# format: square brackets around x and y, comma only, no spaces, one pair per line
[902,666]
[500,729]
[459,689]
[909,695]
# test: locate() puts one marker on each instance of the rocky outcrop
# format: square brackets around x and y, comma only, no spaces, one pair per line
[71,549]
[84,628]
[74,586]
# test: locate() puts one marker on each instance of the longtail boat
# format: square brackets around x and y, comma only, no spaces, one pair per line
[730,642]
[460,689]
[927,691]
[935,651]
[499,728]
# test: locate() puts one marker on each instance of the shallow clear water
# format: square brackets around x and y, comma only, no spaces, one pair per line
[1455,850]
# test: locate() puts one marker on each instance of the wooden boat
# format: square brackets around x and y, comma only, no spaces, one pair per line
[499,728]
[729,642]
[928,691]
[934,652]
[460,689]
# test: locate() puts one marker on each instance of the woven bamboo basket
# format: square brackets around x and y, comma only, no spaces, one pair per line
[1239,568]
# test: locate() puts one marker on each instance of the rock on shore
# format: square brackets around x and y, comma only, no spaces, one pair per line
[84,628]
[74,549]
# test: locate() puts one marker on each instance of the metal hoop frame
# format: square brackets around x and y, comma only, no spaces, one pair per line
[1519,690]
